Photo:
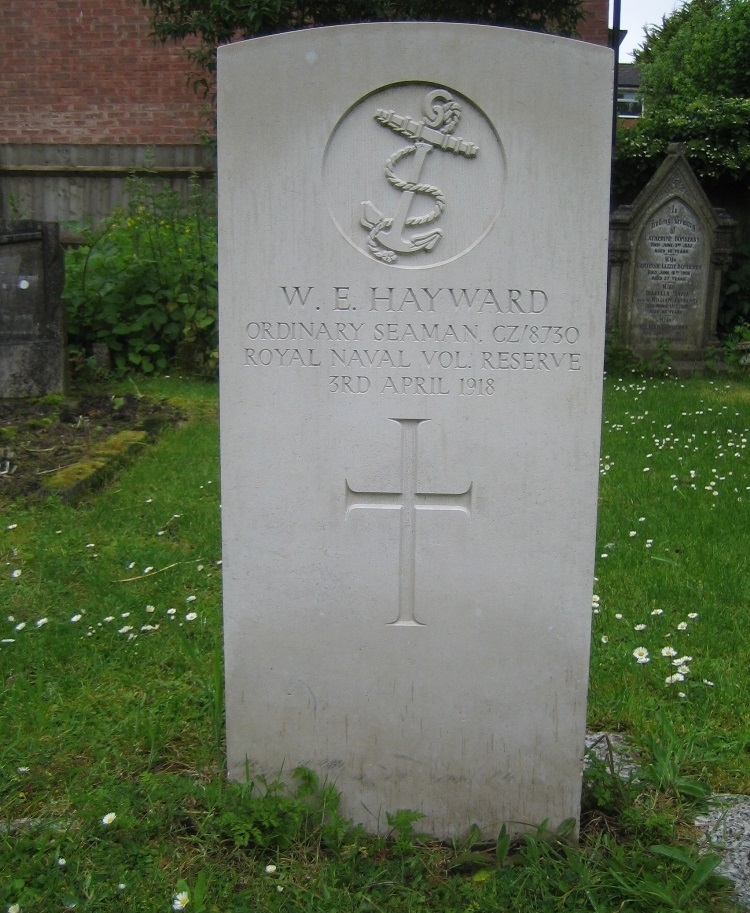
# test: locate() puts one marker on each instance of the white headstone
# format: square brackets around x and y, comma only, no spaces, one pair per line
[412,279]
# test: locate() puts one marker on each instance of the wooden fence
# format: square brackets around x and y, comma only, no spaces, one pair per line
[75,184]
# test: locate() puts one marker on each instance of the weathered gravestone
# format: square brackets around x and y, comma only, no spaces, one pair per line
[413,260]
[33,354]
[666,254]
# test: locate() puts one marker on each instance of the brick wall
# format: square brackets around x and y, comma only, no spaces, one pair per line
[595,27]
[87,71]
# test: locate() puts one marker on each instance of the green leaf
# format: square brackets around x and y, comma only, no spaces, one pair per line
[482,875]
[703,871]
[692,788]
[566,828]
[674,852]
[502,845]
[470,858]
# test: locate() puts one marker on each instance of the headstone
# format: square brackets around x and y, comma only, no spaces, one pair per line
[102,356]
[666,254]
[33,357]
[413,244]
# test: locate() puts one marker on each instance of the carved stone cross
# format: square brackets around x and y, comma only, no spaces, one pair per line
[408,500]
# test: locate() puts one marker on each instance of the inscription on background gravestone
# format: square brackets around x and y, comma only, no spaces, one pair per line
[33,353]
[666,256]
[670,265]
[412,311]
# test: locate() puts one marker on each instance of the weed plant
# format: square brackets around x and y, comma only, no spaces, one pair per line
[113,787]
[145,283]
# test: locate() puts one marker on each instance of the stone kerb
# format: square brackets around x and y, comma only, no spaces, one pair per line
[667,251]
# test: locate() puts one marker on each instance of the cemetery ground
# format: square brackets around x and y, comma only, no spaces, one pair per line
[67,444]
[113,794]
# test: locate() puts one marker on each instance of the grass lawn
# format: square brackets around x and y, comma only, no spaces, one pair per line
[673,570]
[112,719]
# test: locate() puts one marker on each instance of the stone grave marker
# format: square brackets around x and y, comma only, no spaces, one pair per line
[666,254]
[33,357]
[413,245]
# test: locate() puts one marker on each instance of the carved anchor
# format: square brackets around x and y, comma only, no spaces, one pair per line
[441,115]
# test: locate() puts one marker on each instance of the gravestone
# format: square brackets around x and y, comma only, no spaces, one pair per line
[667,250]
[412,309]
[33,355]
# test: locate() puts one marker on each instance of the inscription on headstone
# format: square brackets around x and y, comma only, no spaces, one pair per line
[670,265]
[32,323]
[667,252]
[411,358]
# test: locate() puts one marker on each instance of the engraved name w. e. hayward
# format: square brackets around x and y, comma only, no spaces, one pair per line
[395,299]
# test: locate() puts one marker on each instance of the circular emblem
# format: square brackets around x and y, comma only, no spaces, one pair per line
[414,175]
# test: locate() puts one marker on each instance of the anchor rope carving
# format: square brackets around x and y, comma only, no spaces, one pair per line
[441,116]
[375,248]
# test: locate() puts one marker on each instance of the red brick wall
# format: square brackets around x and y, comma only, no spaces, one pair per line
[595,27]
[87,71]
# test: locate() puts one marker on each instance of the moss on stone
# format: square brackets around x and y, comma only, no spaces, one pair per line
[45,421]
[51,399]
[75,474]
[73,481]
[121,443]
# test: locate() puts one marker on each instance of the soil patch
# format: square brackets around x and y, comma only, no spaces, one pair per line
[41,439]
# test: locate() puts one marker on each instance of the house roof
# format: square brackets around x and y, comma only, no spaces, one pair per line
[628,75]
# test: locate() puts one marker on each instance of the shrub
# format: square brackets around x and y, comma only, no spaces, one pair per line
[145,283]
[716,133]
[734,308]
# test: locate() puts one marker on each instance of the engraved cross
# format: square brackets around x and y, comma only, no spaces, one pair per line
[408,500]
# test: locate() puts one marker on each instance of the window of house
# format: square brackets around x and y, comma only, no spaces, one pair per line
[628,103]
